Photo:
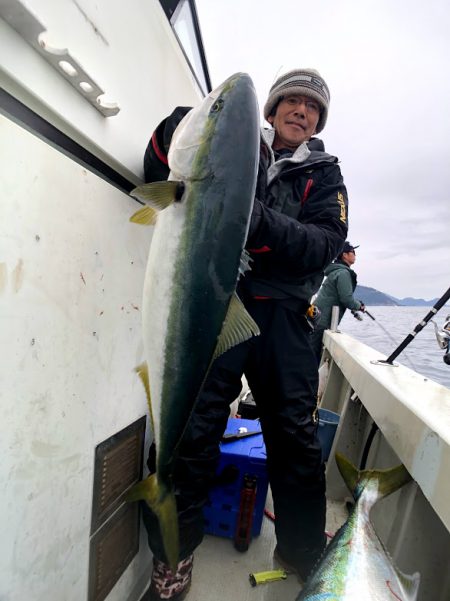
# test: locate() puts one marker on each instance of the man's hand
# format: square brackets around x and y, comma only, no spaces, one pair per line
[171,123]
[156,167]
[362,307]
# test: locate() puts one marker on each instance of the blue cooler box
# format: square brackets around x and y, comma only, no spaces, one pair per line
[238,458]
[328,423]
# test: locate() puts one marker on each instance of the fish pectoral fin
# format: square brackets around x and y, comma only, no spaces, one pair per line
[159,195]
[238,327]
[142,372]
[145,216]
[161,501]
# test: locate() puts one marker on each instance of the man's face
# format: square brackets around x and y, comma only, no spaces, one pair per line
[295,121]
[349,257]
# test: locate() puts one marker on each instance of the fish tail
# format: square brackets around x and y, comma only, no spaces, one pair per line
[389,480]
[162,502]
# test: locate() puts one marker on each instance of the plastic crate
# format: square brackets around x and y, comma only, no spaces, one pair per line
[245,456]
[328,423]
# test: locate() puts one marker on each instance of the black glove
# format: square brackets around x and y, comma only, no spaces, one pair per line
[169,126]
[362,307]
[155,157]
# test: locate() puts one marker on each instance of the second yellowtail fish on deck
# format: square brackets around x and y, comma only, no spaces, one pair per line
[355,565]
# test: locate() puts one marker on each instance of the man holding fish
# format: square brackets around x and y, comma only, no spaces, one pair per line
[298,225]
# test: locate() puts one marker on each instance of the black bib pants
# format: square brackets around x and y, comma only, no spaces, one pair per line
[281,369]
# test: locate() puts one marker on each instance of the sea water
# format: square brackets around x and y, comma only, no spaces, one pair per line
[390,328]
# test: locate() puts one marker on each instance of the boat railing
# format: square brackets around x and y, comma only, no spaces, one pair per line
[390,414]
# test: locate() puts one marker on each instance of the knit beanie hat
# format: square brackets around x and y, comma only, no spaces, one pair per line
[306,82]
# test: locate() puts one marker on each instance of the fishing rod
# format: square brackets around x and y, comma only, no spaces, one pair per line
[369,314]
[358,317]
[401,347]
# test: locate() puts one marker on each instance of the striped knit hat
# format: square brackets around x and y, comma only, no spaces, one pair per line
[307,82]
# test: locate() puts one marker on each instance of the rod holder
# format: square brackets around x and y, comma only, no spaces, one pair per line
[32,31]
[334,318]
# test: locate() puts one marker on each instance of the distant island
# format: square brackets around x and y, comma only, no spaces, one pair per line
[373,297]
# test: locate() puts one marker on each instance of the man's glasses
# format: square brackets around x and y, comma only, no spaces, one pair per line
[311,105]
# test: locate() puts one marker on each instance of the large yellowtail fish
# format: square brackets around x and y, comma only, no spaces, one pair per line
[191,313]
[355,565]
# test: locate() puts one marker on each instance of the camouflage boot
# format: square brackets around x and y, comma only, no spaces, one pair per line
[167,585]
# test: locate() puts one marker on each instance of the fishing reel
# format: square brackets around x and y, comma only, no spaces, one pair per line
[312,316]
[356,315]
[443,338]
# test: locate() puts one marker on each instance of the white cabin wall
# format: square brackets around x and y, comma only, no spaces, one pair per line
[71,280]
[72,268]
[129,50]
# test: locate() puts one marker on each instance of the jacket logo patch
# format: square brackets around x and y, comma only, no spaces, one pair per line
[341,201]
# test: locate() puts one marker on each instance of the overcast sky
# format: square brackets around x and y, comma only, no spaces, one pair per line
[387,64]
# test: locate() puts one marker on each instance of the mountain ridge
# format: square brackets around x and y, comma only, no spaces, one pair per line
[373,297]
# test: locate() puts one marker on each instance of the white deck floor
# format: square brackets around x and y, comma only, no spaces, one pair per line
[221,572]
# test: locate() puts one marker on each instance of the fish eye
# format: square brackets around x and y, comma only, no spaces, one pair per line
[216,107]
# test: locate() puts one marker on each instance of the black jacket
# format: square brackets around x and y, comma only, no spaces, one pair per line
[299,220]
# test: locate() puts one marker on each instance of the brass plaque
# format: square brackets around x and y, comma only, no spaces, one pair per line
[118,465]
[112,549]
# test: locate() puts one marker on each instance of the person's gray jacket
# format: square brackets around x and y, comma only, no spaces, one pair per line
[337,289]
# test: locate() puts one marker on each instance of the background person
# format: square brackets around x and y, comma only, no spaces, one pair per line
[336,290]
[298,224]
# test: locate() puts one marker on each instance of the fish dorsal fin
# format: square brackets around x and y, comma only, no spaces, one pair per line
[410,584]
[142,372]
[145,216]
[238,327]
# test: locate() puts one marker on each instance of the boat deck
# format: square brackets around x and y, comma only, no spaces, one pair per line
[222,572]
